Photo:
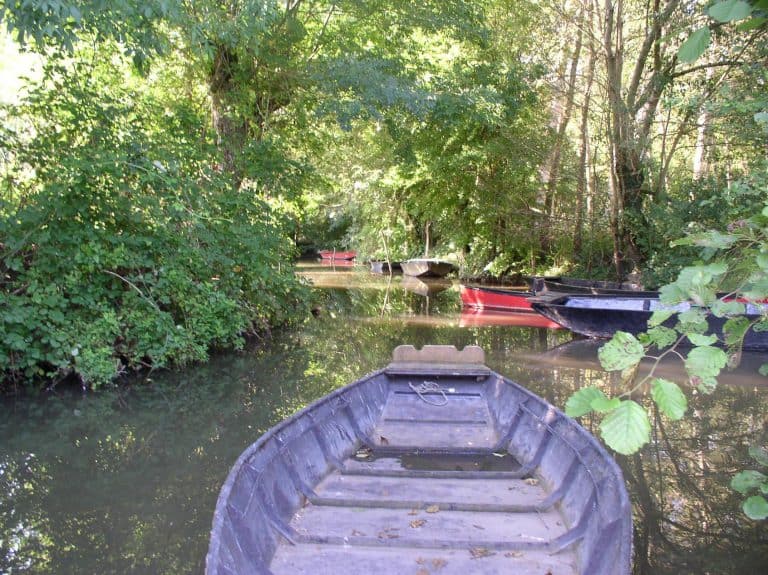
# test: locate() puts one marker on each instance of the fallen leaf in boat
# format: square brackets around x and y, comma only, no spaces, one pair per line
[439,563]
[413,512]
[357,533]
[479,552]
[513,554]
[417,523]
[432,509]
[532,481]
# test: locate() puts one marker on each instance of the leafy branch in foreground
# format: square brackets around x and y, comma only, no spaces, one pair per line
[755,506]
[704,318]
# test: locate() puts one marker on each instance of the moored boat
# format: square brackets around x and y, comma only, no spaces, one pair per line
[385,267]
[581,286]
[337,255]
[435,460]
[475,317]
[426,267]
[601,316]
[495,298]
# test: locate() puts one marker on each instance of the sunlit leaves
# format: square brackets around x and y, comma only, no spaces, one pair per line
[746,481]
[751,480]
[627,428]
[735,329]
[696,44]
[756,507]
[730,10]
[705,361]
[669,397]
[621,352]
[580,403]
[660,336]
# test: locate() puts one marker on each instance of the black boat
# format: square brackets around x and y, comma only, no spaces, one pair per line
[567,285]
[435,463]
[603,315]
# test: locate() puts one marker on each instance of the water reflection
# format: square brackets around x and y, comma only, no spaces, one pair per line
[125,481]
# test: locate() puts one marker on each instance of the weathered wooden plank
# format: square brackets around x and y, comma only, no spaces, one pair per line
[313,559]
[506,492]
[427,435]
[430,527]
[443,405]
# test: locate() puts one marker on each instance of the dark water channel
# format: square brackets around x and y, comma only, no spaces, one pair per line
[125,480]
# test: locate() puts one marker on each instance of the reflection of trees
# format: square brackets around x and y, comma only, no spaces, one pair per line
[687,519]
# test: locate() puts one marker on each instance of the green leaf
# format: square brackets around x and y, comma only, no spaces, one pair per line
[722,308]
[763,370]
[699,339]
[704,384]
[670,398]
[580,403]
[694,46]
[705,361]
[626,429]
[746,481]
[604,405]
[662,336]
[621,352]
[759,454]
[672,294]
[730,10]
[756,507]
[693,321]
[659,316]
[735,329]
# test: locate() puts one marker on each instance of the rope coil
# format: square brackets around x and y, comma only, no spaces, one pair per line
[429,387]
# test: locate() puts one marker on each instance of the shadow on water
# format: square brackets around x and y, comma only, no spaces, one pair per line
[125,480]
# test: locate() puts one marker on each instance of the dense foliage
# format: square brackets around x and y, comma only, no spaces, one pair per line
[122,246]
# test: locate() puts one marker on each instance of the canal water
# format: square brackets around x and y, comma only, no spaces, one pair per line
[124,481]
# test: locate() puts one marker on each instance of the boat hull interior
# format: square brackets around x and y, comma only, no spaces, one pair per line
[447,466]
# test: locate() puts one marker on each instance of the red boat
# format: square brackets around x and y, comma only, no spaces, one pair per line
[473,317]
[337,255]
[495,298]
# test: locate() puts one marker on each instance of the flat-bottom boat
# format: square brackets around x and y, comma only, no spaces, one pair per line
[337,255]
[433,464]
[495,298]
[425,267]
[473,317]
[601,316]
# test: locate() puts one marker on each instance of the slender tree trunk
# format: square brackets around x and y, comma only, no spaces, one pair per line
[582,175]
[230,130]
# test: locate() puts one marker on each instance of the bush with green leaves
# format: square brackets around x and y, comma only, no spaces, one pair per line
[733,273]
[121,245]
[755,482]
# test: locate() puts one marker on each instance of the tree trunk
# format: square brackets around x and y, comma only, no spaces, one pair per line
[230,130]
[582,174]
